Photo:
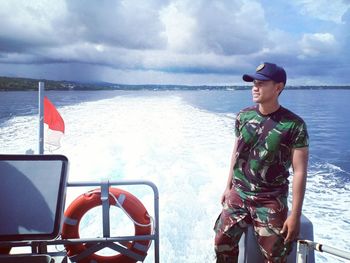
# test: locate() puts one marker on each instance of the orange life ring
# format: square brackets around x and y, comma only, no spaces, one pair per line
[91,199]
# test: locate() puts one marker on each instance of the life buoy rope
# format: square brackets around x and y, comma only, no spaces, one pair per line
[132,207]
[126,212]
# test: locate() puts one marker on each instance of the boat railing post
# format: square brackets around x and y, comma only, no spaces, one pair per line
[41,117]
[105,207]
[302,251]
[156,214]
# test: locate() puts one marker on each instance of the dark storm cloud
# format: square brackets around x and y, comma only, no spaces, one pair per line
[104,39]
[128,24]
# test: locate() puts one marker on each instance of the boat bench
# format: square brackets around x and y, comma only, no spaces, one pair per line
[249,251]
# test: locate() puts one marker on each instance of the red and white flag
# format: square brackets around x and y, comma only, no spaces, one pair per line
[54,129]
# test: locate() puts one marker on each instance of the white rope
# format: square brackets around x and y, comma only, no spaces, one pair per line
[122,208]
[136,223]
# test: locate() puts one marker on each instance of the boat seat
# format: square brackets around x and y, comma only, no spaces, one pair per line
[32,194]
[249,251]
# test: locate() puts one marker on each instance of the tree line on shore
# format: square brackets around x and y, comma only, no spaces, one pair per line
[27,84]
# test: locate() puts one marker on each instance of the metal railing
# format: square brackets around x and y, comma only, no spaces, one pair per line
[304,246]
[40,246]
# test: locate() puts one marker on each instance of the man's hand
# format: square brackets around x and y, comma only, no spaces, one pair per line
[223,197]
[291,228]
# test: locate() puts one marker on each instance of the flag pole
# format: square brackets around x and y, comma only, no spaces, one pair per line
[41,117]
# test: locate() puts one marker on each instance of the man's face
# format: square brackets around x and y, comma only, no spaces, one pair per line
[265,91]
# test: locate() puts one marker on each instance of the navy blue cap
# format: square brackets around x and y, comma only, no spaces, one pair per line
[267,71]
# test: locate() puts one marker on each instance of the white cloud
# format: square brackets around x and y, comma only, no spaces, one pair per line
[179,28]
[324,9]
[317,44]
[237,27]
[220,27]
[25,24]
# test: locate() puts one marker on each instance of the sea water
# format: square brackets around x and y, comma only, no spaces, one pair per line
[182,141]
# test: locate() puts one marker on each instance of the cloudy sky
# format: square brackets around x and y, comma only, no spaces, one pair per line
[175,41]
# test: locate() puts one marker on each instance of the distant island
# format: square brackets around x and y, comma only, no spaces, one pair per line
[27,84]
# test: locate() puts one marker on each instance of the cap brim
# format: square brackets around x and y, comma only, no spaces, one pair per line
[252,77]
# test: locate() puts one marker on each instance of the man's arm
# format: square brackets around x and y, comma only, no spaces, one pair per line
[291,226]
[230,174]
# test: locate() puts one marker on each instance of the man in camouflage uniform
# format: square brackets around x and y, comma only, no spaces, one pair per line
[269,140]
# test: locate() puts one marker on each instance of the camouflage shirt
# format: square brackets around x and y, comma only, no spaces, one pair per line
[264,147]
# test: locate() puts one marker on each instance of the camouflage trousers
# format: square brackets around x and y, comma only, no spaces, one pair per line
[267,216]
